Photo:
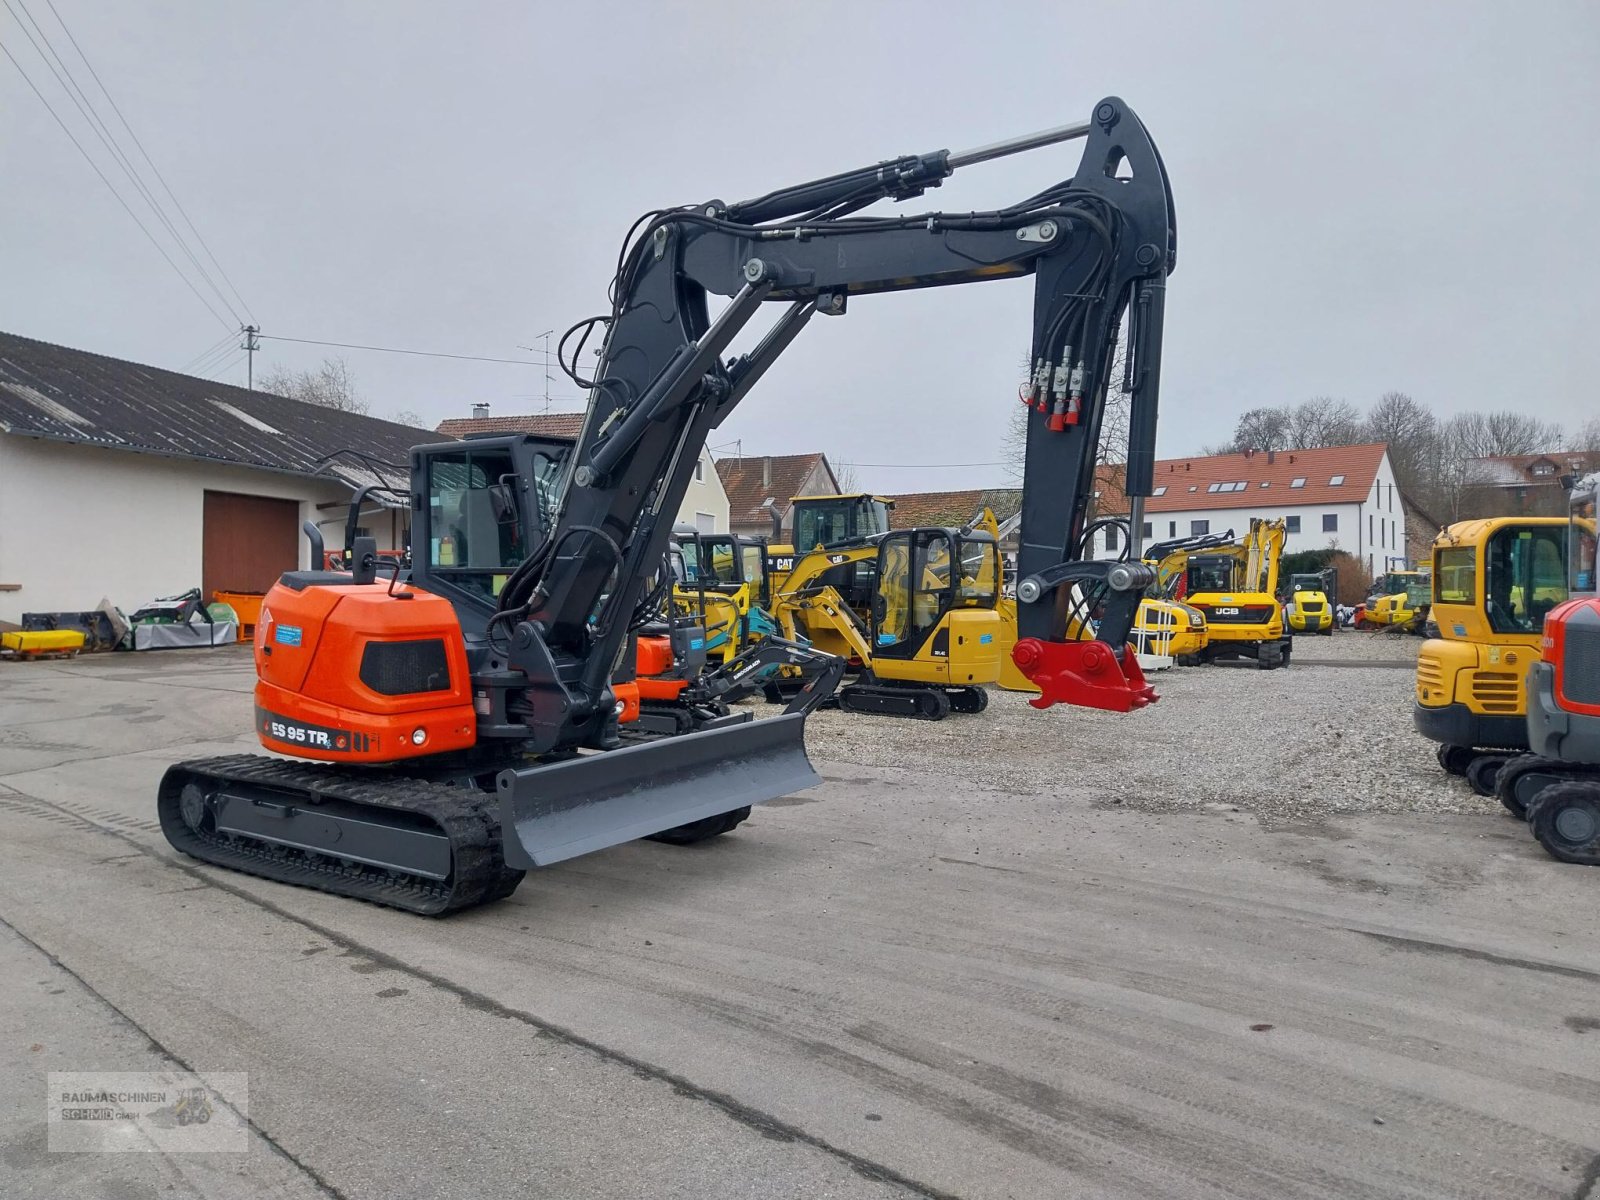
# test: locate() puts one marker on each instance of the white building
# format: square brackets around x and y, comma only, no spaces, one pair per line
[128,482]
[705,504]
[1340,497]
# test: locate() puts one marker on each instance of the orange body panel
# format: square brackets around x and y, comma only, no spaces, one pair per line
[654,656]
[628,695]
[310,699]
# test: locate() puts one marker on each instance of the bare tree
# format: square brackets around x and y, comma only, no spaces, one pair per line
[1262,429]
[1324,421]
[409,417]
[331,385]
[845,475]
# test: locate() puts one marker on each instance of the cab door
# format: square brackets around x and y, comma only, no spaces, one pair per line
[913,590]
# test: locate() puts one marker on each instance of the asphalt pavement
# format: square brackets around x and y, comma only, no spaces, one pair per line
[894,984]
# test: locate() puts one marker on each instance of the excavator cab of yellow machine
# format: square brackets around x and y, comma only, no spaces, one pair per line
[456,716]
[1494,581]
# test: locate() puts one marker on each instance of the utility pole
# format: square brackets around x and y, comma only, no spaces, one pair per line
[252,343]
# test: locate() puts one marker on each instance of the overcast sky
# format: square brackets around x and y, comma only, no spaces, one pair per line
[1369,197]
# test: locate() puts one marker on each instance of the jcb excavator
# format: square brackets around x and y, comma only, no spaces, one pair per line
[449,711]
[1235,587]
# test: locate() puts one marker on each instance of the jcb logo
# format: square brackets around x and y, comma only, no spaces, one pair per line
[1227,612]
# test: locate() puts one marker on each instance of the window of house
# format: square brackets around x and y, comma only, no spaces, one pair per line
[1172,529]
[1330,522]
[1196,528]
[1298,481]
[1291,524]
[1370,536]
[1111,537]
[1383,538]
[1544,469]
[1160,491]
[1194,487]
[1336,481]
[699,470]
[1264,483]
[1212,487]
[1149,530]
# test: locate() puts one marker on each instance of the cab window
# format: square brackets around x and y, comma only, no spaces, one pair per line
[980,575]
[1581,547]
[1524,578]
[475,532]
[1455,574]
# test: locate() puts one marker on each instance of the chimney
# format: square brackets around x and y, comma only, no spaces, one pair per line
[1272,457]
[766,470]
[480,411]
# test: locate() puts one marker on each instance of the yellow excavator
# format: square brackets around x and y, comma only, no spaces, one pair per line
[1235,587]
[1311,599]
[932,637]
[1398,598]
[1493,582]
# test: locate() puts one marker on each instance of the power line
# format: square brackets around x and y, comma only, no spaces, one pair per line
[207,352]
[210,361]
[519,362]
[187,282]
[223,370]
[146,156]
[97,126]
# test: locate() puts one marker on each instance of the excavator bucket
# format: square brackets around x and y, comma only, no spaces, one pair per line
[588,803]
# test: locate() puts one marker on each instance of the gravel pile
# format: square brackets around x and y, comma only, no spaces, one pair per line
[1290,746]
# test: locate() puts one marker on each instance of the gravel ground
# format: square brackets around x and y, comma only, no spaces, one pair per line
[1291,746]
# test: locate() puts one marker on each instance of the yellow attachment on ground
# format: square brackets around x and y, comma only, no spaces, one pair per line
[30,643]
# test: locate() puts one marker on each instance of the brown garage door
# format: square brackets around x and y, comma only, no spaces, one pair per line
[248,542]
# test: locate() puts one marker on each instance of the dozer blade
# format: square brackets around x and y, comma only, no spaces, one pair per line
[586,804]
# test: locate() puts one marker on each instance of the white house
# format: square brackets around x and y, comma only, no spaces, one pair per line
[1340,496]
[128,482]
[705,504]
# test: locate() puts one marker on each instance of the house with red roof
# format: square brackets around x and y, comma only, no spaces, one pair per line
[1337,496]
[752,482]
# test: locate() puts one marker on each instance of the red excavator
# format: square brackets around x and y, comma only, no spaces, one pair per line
[460,718]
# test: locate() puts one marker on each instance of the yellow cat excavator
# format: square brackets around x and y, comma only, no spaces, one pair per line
[932,637]
[447,729]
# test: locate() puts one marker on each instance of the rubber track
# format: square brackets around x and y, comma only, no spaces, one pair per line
[1529,764]
[469,819]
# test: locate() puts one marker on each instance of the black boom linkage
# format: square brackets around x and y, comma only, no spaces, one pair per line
[1100,245]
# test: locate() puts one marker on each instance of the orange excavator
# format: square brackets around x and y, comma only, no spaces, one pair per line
[440,730]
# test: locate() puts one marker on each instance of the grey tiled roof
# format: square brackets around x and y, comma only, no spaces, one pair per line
[68,395]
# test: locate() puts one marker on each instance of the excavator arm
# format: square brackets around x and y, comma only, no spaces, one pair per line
[1099,245]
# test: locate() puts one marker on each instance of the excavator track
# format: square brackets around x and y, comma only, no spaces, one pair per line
[1521,779]
[467,821]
